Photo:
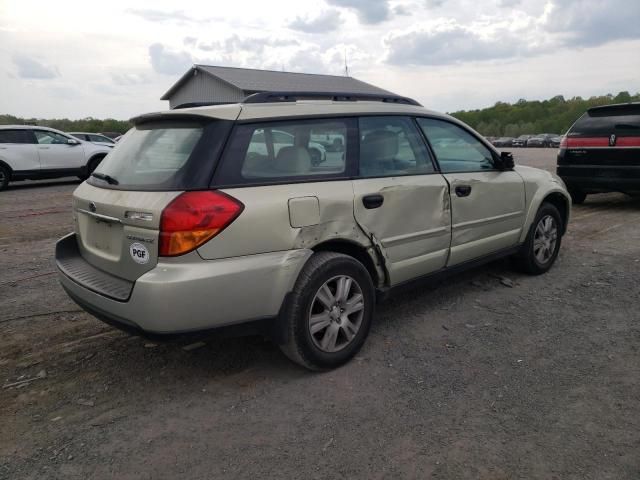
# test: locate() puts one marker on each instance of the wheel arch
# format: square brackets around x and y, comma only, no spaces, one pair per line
[355,250]
[556,196]
[562,203]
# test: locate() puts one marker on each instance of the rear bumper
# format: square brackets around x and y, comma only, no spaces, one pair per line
[178,298]
[599,178]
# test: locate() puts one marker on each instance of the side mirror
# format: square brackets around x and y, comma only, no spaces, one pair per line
[71,141]
[505,161]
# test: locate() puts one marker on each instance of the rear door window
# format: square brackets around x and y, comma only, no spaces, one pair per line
[14,136]
[164,155]
[293,150]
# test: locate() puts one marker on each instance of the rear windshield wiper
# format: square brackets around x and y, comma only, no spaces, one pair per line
[107,178]
[626,126]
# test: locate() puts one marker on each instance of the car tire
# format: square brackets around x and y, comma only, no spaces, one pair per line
[540,249]
[5,176]
[329,312]
[577,196]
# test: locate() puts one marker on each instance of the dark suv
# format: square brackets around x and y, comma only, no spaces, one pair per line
[601,152]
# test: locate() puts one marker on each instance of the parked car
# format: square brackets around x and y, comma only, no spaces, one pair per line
[190,224]
[542,140]
[555,141]
[600,152]
[503,142]
[94,138]
[521,141]
[33,153]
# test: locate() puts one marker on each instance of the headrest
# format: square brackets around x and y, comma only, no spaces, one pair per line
[293,161]
[380,145]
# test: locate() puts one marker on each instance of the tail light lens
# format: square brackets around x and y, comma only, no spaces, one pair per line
[563,142]
[194,218]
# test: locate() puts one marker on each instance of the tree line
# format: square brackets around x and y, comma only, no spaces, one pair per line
[89,124]
[555,115]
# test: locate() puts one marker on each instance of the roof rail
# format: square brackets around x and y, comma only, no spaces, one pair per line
[271,97]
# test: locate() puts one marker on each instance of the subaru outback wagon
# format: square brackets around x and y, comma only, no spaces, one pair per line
[198,221]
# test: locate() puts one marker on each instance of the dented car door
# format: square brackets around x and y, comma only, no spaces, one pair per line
[400,201]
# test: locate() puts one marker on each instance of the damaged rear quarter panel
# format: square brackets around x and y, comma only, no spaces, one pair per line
[265,224]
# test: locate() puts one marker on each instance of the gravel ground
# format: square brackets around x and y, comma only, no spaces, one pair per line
[479,377]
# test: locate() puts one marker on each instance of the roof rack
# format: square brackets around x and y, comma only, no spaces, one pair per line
[271,97]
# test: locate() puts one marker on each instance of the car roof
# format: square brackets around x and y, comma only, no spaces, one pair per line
[29,127]
[87,133]
[300,108]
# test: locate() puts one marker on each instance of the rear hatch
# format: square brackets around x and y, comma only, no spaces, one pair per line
[117,211]
[603,143]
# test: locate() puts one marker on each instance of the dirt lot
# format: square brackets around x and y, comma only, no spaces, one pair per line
[479,377]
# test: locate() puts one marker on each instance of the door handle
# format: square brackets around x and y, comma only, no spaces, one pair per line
[44,148]
[463,190]
[372,201]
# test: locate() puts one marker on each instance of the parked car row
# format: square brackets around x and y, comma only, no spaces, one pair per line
[543,140]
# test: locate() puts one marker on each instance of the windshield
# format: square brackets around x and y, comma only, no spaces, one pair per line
[161,156]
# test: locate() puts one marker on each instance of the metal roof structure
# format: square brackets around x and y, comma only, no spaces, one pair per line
[250,81]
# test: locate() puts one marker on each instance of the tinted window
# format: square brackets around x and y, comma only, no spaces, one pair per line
[455,148]
[50,138]
[392,146]
[280,150]
[587,125]
[99,138]
[14,136]
[177,155]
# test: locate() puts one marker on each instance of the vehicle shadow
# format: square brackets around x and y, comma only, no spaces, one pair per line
[617,201]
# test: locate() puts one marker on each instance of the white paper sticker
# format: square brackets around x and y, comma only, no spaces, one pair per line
[139,253]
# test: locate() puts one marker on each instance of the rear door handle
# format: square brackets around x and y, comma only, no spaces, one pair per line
[372,201]
[463,190]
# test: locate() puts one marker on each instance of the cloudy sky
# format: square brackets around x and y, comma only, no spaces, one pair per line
[115,59]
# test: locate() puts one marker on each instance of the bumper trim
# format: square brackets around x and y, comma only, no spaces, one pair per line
[70,262]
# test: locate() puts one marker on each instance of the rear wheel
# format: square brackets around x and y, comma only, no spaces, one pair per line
[577,196]
[542,245]
[330,311]
[5,175]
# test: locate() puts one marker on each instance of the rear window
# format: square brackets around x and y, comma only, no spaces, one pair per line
[163,156]
[606,125]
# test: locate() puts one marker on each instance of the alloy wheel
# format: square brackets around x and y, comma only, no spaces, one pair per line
[545,239]
[336,313]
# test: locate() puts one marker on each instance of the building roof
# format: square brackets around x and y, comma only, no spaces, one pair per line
[252,80]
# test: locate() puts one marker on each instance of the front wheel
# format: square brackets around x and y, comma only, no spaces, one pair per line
[330,311]
[540,249]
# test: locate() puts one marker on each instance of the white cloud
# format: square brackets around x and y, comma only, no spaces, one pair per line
[29,67]
[80,60]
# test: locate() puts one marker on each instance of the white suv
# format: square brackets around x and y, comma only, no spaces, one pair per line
[33,153]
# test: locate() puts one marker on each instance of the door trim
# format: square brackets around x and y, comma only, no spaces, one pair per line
[482,221]
[391,241]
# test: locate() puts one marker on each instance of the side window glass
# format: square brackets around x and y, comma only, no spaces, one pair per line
[392,146]
[456,149]
[13,136]
[292,149]
[50,138]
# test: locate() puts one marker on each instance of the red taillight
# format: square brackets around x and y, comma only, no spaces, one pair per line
[193,218]
[563,142]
